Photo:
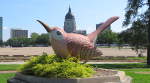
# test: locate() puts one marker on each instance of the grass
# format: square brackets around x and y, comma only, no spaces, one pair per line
[120,58]
[138,78]
[8,67]
[5,67]
[107,66]
[130,70]
[4,77]
[136,58]
[121,66]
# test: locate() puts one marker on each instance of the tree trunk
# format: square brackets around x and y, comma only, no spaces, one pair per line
[148,48]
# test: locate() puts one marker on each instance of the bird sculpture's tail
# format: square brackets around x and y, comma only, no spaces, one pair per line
[92,36]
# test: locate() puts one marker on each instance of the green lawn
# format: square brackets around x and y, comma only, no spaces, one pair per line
[9,66]
[121,58]
[130,70]
[138,78]
[4,77]
[121,66]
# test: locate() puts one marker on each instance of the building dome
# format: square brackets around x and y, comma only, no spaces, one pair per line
[69,15]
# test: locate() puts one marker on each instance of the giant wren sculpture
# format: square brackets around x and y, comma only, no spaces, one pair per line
[76,45]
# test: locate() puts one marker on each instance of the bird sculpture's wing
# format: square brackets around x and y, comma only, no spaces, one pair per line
[80,46]
[92,36]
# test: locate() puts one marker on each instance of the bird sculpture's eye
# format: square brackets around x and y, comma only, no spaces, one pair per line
[58,33]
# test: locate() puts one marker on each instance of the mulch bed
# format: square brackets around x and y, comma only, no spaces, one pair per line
[104,72]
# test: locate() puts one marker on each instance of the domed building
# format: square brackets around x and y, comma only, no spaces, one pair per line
[70,24]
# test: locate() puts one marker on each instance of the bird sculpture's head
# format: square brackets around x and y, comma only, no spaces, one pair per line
[54,32]
[57,39]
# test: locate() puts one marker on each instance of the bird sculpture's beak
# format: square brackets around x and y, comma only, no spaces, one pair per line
[48,29]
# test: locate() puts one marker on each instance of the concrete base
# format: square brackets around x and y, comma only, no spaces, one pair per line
[116,77]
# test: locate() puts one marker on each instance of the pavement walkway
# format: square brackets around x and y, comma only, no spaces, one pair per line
[9,71]
[19,62]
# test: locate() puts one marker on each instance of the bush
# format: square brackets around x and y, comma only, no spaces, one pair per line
[53,66]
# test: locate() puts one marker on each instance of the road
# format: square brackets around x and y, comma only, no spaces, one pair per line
[39,50]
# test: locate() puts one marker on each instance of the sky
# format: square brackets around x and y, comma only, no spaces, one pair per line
[24,13]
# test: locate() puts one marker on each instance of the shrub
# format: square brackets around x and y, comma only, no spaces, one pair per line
[53,66]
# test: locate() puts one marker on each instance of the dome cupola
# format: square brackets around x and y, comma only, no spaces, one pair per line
[69,15]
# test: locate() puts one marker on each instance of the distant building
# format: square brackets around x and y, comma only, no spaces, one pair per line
[1,28]
[83,32]
[17,33]
[70,24]
[98,25]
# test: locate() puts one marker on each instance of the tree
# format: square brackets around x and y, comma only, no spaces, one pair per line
[135,36]
[34,37]
[18,42]
[124,37]
[132,14]
[107,37]
[13,42]
[1,43]
[43,39]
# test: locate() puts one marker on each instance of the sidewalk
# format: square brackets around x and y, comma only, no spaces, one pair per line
[20,62]
[9,71]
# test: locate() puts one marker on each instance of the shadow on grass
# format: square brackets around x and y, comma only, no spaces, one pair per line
[121,66]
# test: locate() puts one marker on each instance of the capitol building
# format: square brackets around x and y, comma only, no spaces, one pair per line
[70,24]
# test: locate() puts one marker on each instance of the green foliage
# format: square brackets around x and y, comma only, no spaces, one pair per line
[56,67]
[1,43]
[42,39]
[5,77]
[34,36]
[132,10]
[107,37]
[18,42]
[35,39]
[136,36]
[132,15]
